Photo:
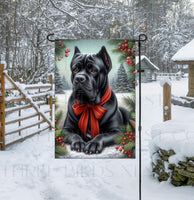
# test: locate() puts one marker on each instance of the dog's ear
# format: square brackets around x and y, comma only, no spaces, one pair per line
[76,50]
[105,57]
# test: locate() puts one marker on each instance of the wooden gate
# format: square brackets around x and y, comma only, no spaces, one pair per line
[25,110]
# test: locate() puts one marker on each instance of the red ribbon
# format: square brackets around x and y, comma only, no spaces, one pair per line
[96,113]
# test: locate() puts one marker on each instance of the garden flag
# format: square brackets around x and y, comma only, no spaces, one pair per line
[95,98]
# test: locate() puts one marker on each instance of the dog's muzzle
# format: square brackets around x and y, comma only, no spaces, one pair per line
[80,79]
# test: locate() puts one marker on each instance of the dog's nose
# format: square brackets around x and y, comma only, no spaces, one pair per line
[80,79]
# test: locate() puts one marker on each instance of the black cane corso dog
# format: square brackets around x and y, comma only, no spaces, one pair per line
[93,119]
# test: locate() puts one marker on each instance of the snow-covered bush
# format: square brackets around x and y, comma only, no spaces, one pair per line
[172,153]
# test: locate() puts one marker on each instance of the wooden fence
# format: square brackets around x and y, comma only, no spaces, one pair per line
[21,104]
[171,76]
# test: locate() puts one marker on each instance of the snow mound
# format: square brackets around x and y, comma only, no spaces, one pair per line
[164,81]
[108,152]
[173,135]
[2,62]
[185,53]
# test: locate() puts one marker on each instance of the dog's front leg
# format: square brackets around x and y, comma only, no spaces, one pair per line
[75,141]
[97,144]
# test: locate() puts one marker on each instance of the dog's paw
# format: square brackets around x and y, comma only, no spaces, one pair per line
[93,147]
[78,146]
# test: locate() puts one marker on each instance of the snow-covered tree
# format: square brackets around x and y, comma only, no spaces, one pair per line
[66,85]
[25,25]
[59,88]
[122,83]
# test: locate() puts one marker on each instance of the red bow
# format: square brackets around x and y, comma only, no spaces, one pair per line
[96,113]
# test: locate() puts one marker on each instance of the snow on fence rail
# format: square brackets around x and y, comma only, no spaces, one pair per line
[25,110]
[171,76]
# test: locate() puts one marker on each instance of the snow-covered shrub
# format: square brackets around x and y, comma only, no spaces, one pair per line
[172,153]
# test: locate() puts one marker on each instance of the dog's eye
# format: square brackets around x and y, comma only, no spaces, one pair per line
[76,69]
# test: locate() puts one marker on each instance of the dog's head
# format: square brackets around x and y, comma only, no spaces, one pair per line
[90,75]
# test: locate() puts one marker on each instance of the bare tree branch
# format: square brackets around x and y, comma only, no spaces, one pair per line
[86,6]
[65,12]
[43,12]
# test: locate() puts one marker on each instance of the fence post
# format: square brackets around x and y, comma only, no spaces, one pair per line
[19,113]
[39,107]
[166,102]
[50,99]
[2,108]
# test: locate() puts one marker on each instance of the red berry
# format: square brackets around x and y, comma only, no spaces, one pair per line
[59,41]
[117,147]
[55,121]
[123,46]
[120,150]
[134,72]
[128,58]
[131,134]
[130,140]
[130,155]
[123,143]
[124,138]
[125,50]
[129,50]
[55,129]
[63,144]
[123,147]
[127,133]
[119,48]
[59,59]
[62,45]
[134,82]
[125,41]
[66,55]
[131,63]
[125,152]
[134,137]
[66,51]
[126,45]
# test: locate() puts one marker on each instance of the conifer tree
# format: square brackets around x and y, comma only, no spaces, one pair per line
[59,89]
[66,85]
[122,83]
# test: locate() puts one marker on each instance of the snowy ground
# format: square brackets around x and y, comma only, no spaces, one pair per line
[28,170]
[151,116]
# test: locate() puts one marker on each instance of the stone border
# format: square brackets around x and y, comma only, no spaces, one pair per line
[181,174]
[180,101]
